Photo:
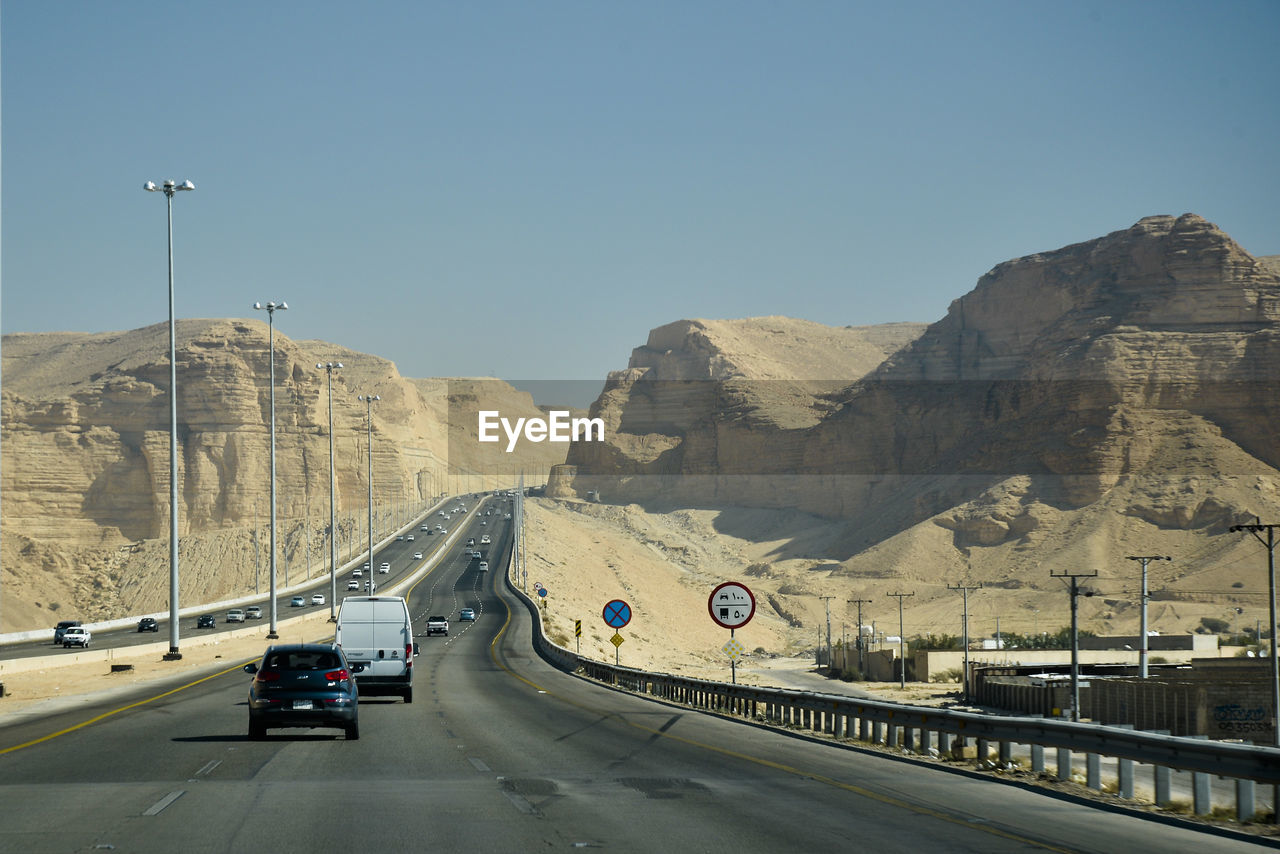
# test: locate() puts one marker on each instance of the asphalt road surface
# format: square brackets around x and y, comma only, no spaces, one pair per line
[501,752]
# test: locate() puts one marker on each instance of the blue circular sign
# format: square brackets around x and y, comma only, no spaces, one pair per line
[542,591]
[617,614]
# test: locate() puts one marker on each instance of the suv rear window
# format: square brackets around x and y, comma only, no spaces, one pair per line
[303,660]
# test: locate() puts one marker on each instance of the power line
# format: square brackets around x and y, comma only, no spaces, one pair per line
[1075,635]
[965,591]
[902,639]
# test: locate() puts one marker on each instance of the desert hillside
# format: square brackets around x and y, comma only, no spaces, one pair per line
[85,479]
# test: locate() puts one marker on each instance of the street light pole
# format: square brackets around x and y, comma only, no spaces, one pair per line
[329,368]
[271,308]
[1074,579]
[368,400]
[169,188]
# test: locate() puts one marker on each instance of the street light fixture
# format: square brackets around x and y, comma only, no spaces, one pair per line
[169,188]
[368,400]
[329,368]
[271,308]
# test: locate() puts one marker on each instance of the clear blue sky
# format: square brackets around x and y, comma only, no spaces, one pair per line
[524,189]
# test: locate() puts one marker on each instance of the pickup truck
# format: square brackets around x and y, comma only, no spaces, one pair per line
[437,626]
[76,636]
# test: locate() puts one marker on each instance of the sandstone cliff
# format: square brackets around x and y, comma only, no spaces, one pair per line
[1132,376]
[85,479]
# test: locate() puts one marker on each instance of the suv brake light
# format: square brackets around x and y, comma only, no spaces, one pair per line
[337,675]
[267,676]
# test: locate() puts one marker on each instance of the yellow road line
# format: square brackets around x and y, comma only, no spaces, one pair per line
[105,715]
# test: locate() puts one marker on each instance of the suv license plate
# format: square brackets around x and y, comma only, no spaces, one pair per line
[303,704]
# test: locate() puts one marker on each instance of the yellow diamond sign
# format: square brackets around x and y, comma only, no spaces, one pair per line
[617,639]
[733,649]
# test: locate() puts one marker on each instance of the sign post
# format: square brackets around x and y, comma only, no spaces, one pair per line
[617,614]
[732,605]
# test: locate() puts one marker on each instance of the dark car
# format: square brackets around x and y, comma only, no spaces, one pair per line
[205,621]
[62,627]
[148,624]
[303,685]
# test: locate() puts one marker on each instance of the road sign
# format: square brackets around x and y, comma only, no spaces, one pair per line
[733,649]
[537,585]
[731,605]
[617,614]
[542,591]
[617,639]
[577,628]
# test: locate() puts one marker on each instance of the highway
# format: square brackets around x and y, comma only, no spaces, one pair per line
[398,553]
[501,752]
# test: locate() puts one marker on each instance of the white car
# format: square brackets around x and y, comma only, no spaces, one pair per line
[484,566]
[357,573]
[410,538]
[253,612]
[484,541]
[352,584]
[417,555]
[317,599]
[235,615]
[384,568]
[297,602]
[369,585]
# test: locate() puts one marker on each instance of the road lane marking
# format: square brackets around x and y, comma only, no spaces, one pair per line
[478,764]
[158,806]
[106,715]
[889,800]
[208,767]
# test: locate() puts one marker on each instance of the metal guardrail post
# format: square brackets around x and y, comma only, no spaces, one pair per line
[944,743]
[1244,800]
[1163,785]
[984,751]
[1200,797]
[1037,758]
[1006,753]
[1093,771]
[1124,769]
[1064,763]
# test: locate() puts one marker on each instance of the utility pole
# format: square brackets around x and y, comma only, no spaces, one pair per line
[862,650]
[1075,638]
[965,591]
[827,601]
[1142,623]
[1270,542]
[902,640]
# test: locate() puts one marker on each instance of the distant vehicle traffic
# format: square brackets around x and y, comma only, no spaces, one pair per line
[235,615]
[352,584]
[437,625]
[384,568]
[148,624]
[317,598]
[76,636]
[205,621]
[417,555]
[304,685]
[467,615]
[253,612]
[297,602]
[484,566]
[60,629]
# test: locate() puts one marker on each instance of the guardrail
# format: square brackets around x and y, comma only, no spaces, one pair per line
[924,729]
[191,610]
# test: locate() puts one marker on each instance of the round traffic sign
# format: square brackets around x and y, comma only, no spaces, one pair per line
[732,605]
[542,591]
[617,614]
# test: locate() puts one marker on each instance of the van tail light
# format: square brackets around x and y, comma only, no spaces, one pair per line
[267,676]
[408,655]
[338,675]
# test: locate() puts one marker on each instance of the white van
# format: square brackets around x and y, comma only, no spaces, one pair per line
[376,631]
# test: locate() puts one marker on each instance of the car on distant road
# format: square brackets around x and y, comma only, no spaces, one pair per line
[384,568]
[297,602]
[400,539]
[60,629]
[317,598]
[148,624]
[357,573]
[76,636]
[417,555]
[352,584]
[410,538]
[303,685]
[484,541]
[235,615]
[369,585]
[437,625]
[205,621]
[467,615]
[253,612]
[426,528]
[507,516]
[484,566]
